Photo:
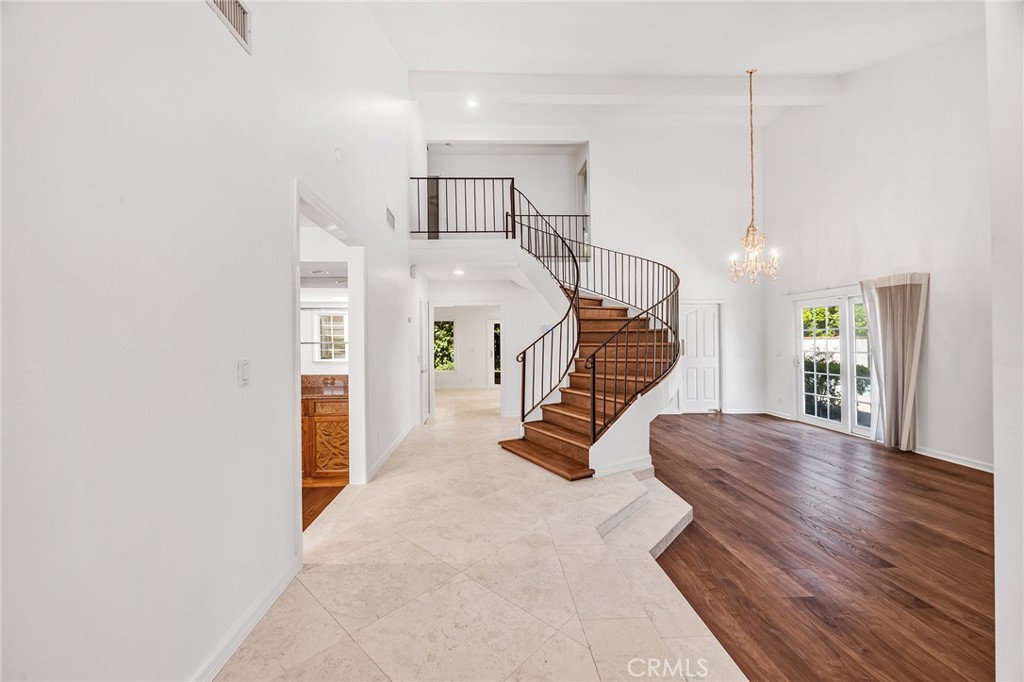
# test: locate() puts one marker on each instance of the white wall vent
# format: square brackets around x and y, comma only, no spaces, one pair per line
[235,16]
[391,219]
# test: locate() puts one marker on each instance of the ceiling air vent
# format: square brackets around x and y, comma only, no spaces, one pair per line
[391,219]
[235,16]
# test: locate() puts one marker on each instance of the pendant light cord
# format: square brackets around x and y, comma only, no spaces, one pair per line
[750,90]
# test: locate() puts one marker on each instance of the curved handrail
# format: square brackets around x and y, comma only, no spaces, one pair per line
[645,347]
[557,348]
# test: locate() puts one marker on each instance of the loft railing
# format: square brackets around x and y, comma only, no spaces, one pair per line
[463,206]
[452,207]
[622,367]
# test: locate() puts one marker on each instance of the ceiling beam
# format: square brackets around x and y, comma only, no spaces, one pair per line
[583,90]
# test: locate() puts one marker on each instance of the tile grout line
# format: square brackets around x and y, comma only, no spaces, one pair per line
[590,649]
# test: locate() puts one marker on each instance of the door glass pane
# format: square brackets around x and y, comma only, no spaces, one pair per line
[862,371]
[822,368]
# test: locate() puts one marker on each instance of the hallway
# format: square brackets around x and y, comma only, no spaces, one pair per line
[460,561]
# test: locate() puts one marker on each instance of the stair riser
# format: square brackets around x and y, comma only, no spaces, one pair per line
[633,366]
[611,325]
[630,353]
[604,405]
[581,426]
[589,303]
[631,385]
[631,337]
[591,313]
[577,452]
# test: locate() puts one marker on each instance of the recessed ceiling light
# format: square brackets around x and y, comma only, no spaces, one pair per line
[318,272]
[471,103]
[459,272]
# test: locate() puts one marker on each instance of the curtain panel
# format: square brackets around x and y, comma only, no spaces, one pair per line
[896,308]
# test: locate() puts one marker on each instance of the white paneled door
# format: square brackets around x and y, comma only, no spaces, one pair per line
[701,360]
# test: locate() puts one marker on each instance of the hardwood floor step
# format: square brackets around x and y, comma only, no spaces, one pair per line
[560,439]
[641,366]
[566,467]
[586,299]
[622,382]
[632,336]
[580,397]
[605,312]
[623,352]
[613,324]
[572,417]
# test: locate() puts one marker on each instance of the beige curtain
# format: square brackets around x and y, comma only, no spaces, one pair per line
[896,309]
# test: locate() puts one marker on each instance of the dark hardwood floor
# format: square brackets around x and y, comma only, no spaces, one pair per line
[315,500]
[819,556]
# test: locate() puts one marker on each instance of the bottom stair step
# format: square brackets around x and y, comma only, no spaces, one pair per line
[566,467]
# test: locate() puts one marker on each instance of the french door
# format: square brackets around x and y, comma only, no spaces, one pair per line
[834,365]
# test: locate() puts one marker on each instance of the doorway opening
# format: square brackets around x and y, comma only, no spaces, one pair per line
[466,359]
[329,357]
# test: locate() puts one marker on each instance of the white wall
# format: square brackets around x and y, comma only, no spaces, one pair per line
[681,197]
[473,341]
[144,146]
[893,177]
[525,314]
[1005,43]
[549,181]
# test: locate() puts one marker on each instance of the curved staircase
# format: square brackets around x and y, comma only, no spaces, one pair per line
[617,339]
[622,322]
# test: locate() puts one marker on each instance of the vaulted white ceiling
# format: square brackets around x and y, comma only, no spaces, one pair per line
[535,66]
[681,38]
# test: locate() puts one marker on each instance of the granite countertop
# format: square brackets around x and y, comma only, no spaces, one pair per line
[337,392]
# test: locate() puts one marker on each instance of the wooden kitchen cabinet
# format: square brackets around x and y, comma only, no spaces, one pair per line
[325,441]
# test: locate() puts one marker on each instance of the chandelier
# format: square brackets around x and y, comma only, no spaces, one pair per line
[754,263]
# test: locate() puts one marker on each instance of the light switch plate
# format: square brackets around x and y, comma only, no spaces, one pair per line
[243,373]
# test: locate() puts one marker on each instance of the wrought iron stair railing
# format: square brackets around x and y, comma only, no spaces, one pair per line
[633,358]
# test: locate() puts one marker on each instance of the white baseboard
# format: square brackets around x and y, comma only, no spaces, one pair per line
[629,465]
[780,415]
[240,629]
[956,459]
[388,452]
[743,412]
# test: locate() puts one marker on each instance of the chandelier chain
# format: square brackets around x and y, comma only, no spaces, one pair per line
[750,91]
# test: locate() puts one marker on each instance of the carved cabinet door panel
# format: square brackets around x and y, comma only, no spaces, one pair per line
[330,438]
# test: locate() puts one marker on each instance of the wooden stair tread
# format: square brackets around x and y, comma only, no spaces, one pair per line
[559,432]
[563,466]
[570,410]
[586,392]
[624,376]
[617,308]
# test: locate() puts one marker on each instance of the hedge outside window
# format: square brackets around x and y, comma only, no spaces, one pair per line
[444,345]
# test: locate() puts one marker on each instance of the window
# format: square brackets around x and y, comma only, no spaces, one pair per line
[333,328]
[444,345]
[835,355]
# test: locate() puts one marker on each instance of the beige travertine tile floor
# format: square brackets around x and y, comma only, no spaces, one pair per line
[461,561]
